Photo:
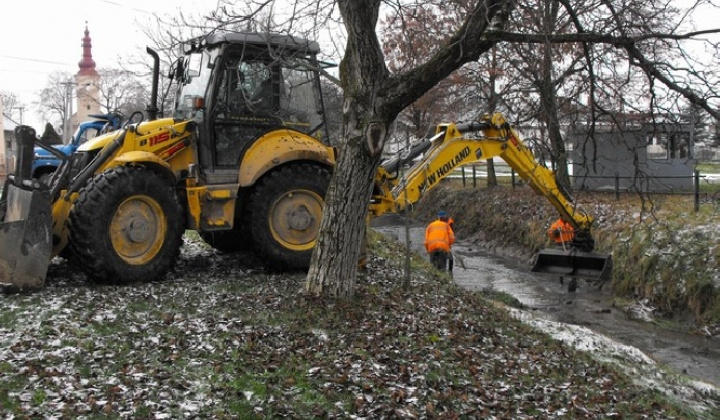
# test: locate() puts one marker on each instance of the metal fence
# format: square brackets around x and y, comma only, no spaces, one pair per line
[705,187]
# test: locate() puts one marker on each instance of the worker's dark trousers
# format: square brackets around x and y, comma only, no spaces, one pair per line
[439,259]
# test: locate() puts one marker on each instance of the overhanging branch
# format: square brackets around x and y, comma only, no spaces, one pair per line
[598,38]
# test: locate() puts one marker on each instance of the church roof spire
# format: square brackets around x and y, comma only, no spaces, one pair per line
[86,64]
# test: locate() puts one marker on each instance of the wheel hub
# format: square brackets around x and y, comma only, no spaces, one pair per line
[295,219]
[300,218]
[137,231]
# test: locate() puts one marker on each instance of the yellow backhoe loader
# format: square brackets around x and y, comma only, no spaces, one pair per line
[492,136]
[241,161]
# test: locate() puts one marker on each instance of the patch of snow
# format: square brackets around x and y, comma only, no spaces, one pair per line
[639,366]
[585,339]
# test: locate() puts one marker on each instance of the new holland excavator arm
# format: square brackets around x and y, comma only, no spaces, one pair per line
[449,149]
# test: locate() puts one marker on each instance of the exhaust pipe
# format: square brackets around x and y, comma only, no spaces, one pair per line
[152,108]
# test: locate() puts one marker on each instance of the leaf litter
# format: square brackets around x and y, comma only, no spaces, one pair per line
[224,337]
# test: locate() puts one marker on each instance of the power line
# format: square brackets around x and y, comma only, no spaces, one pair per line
[35,60]
[23,71]
[124,6]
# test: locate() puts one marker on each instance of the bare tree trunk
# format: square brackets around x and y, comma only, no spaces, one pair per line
[549,112]
[558,145]
[333,267]
[492,105]
[373,99]
[491,176]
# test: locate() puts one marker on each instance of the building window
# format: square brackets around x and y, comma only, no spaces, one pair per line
[664,145]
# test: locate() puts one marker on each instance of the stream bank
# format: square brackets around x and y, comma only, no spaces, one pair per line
[664,254]
[546,301]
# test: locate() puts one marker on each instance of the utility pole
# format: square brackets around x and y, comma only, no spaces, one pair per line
[67,129]
[20,109]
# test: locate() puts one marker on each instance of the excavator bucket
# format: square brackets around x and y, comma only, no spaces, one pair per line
[25,223]
[25,239]
[575,263]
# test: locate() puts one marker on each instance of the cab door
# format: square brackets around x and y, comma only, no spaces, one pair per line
[247,104]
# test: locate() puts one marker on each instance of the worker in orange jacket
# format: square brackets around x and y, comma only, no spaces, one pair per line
[561,232]
[439,237]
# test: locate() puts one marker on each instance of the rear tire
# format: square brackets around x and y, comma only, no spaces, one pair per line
[285,210]
[126,225]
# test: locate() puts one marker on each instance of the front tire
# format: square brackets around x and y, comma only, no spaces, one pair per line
[126,225]
[285,210]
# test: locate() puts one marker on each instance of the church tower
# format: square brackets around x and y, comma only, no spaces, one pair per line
[87,82]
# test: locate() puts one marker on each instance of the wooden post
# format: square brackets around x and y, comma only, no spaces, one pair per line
[408,251]
[697,191]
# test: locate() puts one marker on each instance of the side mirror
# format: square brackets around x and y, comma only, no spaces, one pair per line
[193,66]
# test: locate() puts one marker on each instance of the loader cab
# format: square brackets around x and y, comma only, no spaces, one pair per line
[238,87]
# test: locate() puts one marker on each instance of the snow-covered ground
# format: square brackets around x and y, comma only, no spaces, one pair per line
[643,369]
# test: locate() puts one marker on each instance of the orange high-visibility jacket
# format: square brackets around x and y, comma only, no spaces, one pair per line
[561,231]
[439,235]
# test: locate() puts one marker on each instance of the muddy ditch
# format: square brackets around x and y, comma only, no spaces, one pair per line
[545,298]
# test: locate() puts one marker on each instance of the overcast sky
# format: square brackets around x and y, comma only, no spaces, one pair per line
[43,36]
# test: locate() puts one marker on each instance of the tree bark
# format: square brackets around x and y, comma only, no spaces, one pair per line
[333,266]
[549,113]
[492,107]
[373,99]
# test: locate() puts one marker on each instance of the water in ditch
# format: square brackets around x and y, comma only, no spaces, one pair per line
[546,298]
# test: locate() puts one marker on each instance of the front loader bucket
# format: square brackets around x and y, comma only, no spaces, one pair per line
[25,238]
[574,263]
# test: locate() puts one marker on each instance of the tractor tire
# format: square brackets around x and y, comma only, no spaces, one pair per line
[285,210]
[126,225]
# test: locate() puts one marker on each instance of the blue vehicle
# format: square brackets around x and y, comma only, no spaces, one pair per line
[44,163]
